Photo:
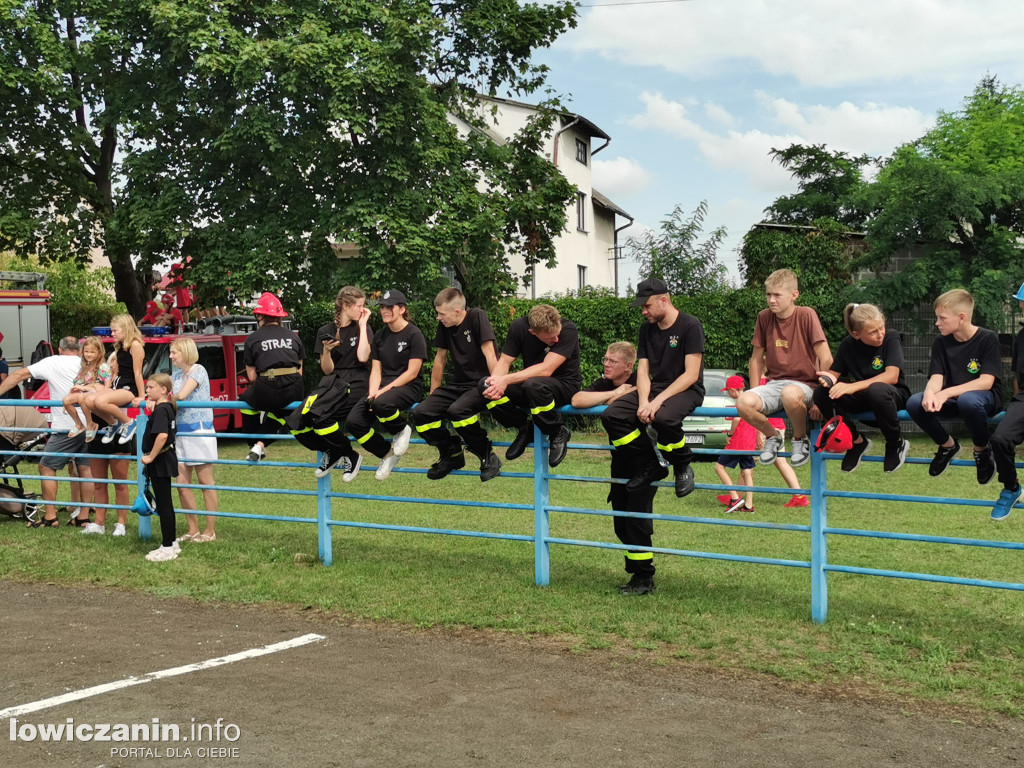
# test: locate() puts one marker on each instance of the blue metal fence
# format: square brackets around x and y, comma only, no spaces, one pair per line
[818,529]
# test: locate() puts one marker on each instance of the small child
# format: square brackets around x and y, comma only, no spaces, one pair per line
[743,437]
[963,380]
[871,361]
[92,376]
[160,460]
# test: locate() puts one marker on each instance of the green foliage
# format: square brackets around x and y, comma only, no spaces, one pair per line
[79,297]
[954,197]
[252,138]
[675,256]
[829,186]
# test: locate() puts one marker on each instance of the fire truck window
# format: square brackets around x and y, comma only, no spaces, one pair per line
[157,360]
[211,357]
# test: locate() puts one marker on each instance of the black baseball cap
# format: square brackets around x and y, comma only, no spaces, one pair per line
[647,288]
[391,298]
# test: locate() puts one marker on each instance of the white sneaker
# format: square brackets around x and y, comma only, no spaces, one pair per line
[802,451]
[119,530]
[162,555]
[351,470]
[94,528]
[386,465]
[256,453]
[400,443]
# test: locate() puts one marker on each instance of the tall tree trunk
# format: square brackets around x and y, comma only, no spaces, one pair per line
[127,285]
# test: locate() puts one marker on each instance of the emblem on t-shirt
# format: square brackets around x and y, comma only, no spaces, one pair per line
[469,336]
[352,341]
[877,363]
[673,341]
[974,367]
[782,343]
[402,345]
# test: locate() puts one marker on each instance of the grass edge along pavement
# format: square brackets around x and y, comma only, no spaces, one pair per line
[949,645]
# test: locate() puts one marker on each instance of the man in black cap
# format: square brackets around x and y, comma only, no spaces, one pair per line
[669,385]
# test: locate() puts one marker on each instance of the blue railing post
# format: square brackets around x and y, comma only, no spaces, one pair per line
[541,520]
[323,515]
[819,540]
[145,521]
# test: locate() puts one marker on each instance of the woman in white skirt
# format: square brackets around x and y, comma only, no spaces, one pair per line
[196,443]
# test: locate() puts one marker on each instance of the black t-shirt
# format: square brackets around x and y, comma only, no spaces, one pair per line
[345,354]
[521,342]
[601,384]
[857,361]
[666,350]
[273,347]
[163,420]
[464,342]
[395,350]
[960,362]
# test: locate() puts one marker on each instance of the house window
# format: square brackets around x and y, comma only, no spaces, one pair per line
[581,276]
[581,151]
[581,211]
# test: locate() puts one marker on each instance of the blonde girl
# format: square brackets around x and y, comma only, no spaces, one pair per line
[867,375]
[128,384]
[159,460]
[196,444]
[93,376]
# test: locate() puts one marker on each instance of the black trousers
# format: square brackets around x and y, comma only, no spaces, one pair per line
[269,397]
[165,508]
[462,406]
[542,396]
[1004,441]
[318,424]
[883,400]
[632,531]
[627,432]
[386,413]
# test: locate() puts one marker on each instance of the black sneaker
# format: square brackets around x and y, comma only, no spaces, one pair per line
[637,585]
[942,458]
[520,443]
[684,481]
[985,465]
[446,465]
[328,461]
[490,467]
[558,445]
[895,455]
[851,459]
[649,474]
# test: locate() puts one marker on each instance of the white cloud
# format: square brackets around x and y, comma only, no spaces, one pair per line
[621,177]
[871,129]
[819,44]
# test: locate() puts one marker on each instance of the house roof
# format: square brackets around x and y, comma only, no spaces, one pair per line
[586,124]
[605,202]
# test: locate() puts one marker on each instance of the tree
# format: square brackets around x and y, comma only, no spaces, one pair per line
[955,195]
[252,137]
[829,186]
[674,254]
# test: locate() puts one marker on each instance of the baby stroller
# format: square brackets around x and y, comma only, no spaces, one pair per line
[15,501]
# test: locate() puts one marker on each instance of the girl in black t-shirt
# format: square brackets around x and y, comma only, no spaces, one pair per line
[160,461]
[867,375]
[398,353]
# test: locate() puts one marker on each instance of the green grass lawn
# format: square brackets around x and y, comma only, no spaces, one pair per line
[955,645]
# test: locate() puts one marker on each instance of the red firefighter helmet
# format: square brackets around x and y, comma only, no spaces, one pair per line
[835,436]
[270,306]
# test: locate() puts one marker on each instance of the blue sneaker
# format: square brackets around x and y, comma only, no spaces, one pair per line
[1007,499]
[125,432]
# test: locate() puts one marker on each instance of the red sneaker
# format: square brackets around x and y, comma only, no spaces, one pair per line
[798,501]
[725,499]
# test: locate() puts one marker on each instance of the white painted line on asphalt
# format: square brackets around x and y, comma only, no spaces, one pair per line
[97,690]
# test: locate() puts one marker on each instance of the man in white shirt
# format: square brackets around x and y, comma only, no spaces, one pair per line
[60,371]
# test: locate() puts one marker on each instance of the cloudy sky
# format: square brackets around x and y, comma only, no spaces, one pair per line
[694,93]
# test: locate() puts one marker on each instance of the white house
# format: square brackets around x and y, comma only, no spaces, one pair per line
[587,251]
